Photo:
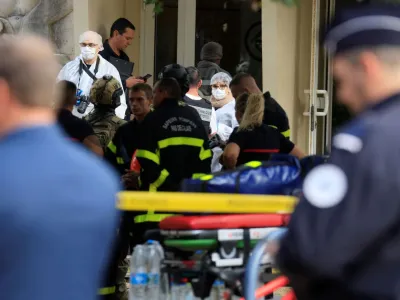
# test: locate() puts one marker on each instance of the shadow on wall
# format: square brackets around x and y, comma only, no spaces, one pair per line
[52,19]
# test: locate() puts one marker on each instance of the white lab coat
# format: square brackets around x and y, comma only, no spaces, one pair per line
[226,122]
[84,82]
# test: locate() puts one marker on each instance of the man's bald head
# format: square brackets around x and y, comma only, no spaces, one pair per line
[28,71]
[244,83]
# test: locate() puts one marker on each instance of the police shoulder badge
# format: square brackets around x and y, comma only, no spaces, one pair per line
[325,186]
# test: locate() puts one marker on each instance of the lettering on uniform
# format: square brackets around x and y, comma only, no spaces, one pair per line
[205,113]
[187,121]
[169,122]
[325,186]
[181,128]
[347,142]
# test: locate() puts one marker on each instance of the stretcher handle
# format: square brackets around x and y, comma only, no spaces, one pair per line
[251,276]
[270,287]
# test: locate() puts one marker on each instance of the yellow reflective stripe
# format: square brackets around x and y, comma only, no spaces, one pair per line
[106,290]
[120,161]
[286,133]
[151,218]
[198,175]
[112,147]
[186,141]
[253,164]
[148,155]
[159,181]
[204,154]
[207,177]
[179,141]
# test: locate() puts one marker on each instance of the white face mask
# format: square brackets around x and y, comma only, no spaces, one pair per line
[218,94]
[88,53]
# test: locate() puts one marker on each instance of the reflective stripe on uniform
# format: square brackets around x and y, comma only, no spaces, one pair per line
[286,133]
[112,147]
[207,177]
[253,164]
[186,141]
[159,181]
[151,217]
[198,175]
[148,155]
[106,290]
[120,161]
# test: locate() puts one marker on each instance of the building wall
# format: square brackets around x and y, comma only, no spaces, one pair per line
[286,61]
[102,13]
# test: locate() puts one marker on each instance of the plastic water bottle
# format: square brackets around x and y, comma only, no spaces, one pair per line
[179,290]
[138,279]
[218,290]
[154,260]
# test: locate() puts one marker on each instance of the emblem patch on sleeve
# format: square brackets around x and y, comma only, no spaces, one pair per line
[325,186]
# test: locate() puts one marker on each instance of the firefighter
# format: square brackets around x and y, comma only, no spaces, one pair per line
[125,142]
[173,146]
[174,143]
[343,240]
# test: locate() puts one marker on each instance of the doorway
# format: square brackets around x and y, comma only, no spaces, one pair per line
[339,113]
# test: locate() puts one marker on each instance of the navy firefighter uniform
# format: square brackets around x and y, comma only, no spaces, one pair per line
[343,240]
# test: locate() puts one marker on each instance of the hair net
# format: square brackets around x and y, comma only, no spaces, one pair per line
[221,77]
[92,37]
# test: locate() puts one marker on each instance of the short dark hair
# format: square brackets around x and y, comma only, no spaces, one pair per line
[170,86]
[143,87]
[68,92]
[194,76]
[121,25]
[237,79]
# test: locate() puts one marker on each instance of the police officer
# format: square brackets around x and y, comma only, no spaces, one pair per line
[343,240]
[105,95]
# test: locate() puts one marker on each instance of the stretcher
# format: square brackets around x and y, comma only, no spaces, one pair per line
[203,248]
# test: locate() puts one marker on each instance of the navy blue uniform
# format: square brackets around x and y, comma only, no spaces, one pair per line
[343,240]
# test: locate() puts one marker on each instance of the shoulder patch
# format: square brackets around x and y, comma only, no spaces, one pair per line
[348,142]
[325,186]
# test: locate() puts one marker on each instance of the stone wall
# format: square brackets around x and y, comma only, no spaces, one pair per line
[50,18]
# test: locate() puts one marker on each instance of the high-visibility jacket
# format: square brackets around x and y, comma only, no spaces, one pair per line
[173,146]
[122,147]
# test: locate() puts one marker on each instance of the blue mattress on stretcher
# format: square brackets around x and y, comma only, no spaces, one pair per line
[281,175]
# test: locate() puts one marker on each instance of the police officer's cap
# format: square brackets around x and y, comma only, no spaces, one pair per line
[365,26]
[106,91]
[179,73]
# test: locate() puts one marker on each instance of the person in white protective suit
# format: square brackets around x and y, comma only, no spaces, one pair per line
[224,104]
[89,66]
